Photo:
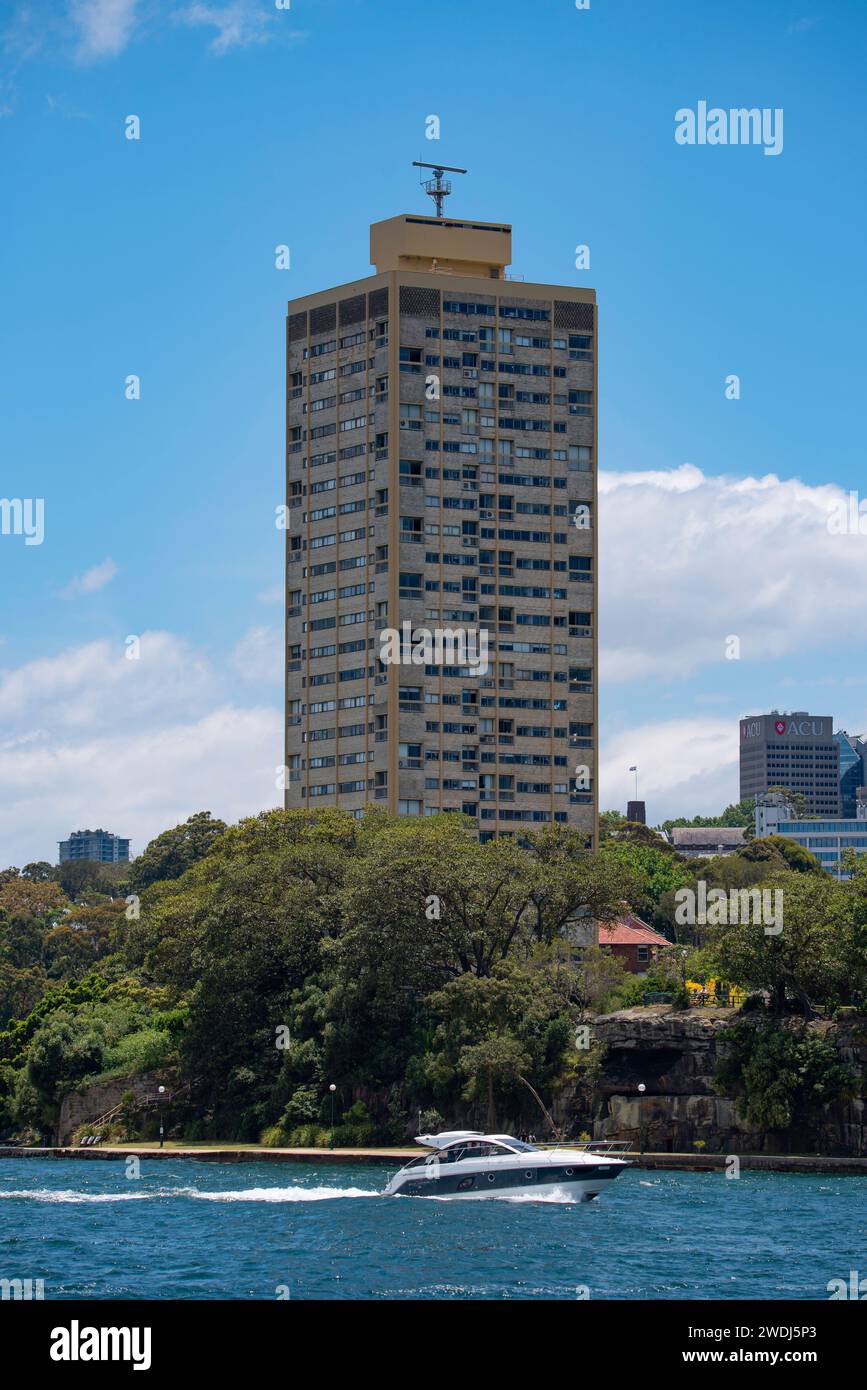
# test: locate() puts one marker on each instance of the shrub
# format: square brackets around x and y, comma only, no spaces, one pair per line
[274,1137]
[145,1050]
[780,1074]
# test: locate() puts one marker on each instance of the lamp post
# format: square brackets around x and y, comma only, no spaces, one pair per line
[162,1091]
[332,1088]
[641,1089]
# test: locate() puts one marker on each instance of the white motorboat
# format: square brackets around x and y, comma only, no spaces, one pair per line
[467,1163]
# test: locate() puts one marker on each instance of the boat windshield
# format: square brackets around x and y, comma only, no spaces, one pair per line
[519,1144]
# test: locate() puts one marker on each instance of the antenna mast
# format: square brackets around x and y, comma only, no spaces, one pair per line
[437,188]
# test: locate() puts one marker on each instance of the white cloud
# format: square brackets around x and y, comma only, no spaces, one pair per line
[802,26]
[689,560]
[259,655]
[96,687]
[140,783]
[91,581]
[238,23]
[91,31]
[103,27]
[273,595]
[685,767]
[90,738]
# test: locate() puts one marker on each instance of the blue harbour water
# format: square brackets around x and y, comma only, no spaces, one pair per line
[235,1231]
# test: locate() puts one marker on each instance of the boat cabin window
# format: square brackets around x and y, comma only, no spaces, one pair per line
[474,1148]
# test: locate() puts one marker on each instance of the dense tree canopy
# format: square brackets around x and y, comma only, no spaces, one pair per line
[398,959]
[175,850]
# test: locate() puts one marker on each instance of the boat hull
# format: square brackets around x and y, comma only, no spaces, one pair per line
[579,1183]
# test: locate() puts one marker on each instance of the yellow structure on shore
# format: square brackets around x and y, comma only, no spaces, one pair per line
[715,993]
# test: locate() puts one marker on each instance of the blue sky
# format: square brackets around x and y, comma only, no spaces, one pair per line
[262,126]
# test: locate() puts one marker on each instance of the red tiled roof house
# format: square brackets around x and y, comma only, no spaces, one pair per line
[633,943]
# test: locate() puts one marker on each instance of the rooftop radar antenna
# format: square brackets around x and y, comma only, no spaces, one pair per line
[437,188]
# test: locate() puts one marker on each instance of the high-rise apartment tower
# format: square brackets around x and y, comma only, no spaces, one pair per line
[441,474]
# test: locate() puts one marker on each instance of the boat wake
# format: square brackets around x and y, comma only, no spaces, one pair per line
[284,1194]
[560,1199]
[251,1194]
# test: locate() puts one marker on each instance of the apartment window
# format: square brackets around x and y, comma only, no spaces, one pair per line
[410,755]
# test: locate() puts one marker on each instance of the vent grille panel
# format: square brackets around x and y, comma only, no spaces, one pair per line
[352,310]
[377,304]
[323,319]
[568,314]
[297,327]
[421,303]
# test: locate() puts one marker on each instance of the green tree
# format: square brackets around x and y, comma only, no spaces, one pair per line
[805,960]
[239,932]
[654,870]
[780,1074]
[795,856]
[174,851]
[492,1067]
[39,872]
[739,814]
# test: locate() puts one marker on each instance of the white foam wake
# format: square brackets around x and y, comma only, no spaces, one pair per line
[284,1194]
[47,1194]
[250,1194]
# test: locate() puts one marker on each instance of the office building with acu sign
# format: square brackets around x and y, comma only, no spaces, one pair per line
[797,751]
